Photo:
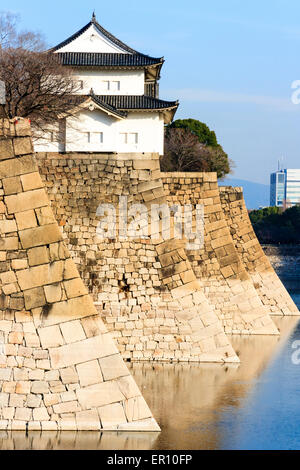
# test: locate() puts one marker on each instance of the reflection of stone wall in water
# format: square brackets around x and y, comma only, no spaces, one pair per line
[60,369]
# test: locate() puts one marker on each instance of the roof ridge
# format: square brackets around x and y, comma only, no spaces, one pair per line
[103,31]
[108,58]
[120,101]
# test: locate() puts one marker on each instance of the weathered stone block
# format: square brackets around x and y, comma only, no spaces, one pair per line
[16,337]
[136,408]
[9,243]
[8,277]
[50,337]
[53,293]
[77,353]
[34,401]
[93,326]
[31,181]
[19,264]
[22,145]
[68,407]
[26,219]
[69,375]
[34,298]
[51,399]
[45,216]
[6,149]
[38,236]
[75,288]
[41,414]
[73,309]
[40,275]
[113,368]
[23,387]
[12,185]
[72,331]
[89,373]
[25,201]
[38,255]
[99,395]
[39,387]
[88,420]
[17,166]
[23,414]
[112,415]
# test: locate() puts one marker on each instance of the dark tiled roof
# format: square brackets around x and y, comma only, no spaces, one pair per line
[105,59]
[108,35]
[108,107]
[127,102]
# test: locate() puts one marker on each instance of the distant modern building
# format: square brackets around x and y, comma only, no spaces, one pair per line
[285,188]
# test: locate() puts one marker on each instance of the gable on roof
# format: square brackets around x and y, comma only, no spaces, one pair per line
[91,40]
[94,38]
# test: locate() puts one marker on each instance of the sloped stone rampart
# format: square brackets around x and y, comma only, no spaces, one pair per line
[217,264]
[59,367]
[270,289]
[145,289]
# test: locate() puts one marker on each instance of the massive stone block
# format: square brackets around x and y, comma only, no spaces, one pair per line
[270,289]
[217,263]
[59,367]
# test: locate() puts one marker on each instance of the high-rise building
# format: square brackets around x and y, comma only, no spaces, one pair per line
[285,188]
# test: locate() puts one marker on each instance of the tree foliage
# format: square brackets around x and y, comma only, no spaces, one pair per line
[191,146]
[201,130]
[272,225]
[37,85]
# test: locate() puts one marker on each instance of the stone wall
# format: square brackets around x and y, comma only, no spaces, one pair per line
[218,266]
[141,286]
[146,290]
[268,285]
[59,367]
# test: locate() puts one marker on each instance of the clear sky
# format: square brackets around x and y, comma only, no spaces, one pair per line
[231,64]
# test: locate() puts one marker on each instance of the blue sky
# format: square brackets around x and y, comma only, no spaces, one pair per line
[230,63]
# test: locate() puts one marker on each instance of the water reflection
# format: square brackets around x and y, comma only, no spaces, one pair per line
[69,440]
[197,406]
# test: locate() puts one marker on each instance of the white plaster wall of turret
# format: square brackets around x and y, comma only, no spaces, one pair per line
[95,131]
[110,82]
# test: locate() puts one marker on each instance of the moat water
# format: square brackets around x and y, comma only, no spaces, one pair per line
[254,405]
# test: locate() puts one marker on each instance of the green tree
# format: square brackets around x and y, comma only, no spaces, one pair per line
[201,130]
[191,146]
[273,225]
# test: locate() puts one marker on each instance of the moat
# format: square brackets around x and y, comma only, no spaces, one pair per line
[255,405]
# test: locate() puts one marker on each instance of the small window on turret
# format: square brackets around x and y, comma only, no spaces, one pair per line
[111,85]
[131,138]
[115,86]
[94,137]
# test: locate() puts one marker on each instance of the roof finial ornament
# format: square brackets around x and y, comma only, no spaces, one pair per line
[93,17]
[92,92]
